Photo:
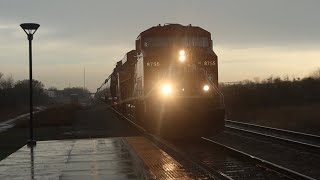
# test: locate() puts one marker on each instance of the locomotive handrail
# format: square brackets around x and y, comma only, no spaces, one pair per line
[105,81]
[220,94]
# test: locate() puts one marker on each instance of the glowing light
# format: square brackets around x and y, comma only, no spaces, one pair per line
[206,88]
[182,53]
[182,58]
[166,89]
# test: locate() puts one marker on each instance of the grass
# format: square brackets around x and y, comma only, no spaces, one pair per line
[303,118]
[57,116]
[53,123]
[11,140]
[8,113]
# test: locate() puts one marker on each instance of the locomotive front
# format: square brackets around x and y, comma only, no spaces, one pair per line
[177,76]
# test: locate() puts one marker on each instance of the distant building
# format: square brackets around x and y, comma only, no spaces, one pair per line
[51,93]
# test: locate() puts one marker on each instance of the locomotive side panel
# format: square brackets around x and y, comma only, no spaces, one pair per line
[139,78]
[126,75]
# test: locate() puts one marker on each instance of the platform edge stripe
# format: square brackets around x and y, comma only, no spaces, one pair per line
[138,161]
[135,147]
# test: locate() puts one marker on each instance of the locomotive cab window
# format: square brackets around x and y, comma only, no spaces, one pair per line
[172,41]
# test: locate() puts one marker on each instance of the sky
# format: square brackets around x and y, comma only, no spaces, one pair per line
[253,39]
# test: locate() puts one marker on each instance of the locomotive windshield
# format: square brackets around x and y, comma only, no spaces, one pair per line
[171,41]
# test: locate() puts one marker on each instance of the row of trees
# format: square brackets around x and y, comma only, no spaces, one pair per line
[273,91]
[14,94]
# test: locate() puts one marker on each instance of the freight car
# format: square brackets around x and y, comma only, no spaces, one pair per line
[169,83]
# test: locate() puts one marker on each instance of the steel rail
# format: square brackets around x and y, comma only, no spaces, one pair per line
[204,167]
[275,130]
[271,166]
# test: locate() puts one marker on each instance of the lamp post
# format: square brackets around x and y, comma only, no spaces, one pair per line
[30,29]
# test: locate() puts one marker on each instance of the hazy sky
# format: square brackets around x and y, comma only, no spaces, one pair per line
[252,38]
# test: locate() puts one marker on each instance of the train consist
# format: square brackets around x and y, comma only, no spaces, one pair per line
[169,83]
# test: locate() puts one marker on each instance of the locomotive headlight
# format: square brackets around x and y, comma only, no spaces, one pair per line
[166,89]
[182,55]
[206,88]
[182,58]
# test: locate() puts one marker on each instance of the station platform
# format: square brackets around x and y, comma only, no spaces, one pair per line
[105,158]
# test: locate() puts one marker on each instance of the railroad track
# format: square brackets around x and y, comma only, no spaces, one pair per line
[202,167]
[192,165]
[298,152]
[308,141]
[240,165]
[221,162]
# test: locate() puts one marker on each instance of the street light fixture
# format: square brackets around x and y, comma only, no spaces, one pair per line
[30,29]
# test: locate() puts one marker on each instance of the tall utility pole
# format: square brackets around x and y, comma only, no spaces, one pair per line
[84,78]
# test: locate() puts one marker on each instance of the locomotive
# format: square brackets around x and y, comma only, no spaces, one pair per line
[169,83]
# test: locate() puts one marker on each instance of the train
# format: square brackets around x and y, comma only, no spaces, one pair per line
[169,83]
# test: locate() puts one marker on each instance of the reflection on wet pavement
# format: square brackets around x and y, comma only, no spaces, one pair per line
[32,162]
[72,159]
[105,158]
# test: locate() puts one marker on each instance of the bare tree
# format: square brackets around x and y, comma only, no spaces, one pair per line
[6,83]
[52,89]
[256,80]
[316,74]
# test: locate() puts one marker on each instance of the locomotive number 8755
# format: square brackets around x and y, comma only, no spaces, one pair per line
[169,83]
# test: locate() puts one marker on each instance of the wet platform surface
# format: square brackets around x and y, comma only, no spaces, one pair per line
[103,158]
